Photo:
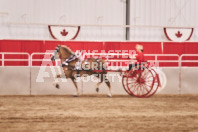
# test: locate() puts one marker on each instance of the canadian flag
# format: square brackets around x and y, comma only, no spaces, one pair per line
[64,33]
[178,34]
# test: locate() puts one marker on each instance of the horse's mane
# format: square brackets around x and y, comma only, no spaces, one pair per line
[67,49]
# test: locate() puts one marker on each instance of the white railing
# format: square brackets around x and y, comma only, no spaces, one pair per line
[108,58]
[187,61]
[30,58]
[163,55]
[132,56]
[3,59]
[107,54]
[41,60]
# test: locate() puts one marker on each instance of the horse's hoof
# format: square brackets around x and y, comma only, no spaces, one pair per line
[97,90]
[109,95]
[57,86]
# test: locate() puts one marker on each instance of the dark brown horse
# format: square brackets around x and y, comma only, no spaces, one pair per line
[89,66]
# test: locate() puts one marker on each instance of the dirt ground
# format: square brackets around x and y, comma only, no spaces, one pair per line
[99,113]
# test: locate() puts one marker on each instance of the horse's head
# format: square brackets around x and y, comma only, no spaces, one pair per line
[61,51]
[56,51]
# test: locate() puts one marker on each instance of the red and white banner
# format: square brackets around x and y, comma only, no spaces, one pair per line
[64,33]
[178,34]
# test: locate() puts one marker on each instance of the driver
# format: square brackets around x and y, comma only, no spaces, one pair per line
[139,56]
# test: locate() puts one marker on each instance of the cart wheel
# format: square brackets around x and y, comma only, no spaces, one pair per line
[124,82]
[162,80]
[155,85]
[140,82]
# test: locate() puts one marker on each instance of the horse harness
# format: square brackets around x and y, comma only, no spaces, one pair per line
[71,58]
[77,66]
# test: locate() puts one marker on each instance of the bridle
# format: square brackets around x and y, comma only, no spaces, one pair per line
[57,49]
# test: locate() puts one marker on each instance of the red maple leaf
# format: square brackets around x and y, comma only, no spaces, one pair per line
[178,34]
[64,33]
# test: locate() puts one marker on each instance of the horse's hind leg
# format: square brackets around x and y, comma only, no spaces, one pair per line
[109,85]
[100,77]
[55,83]
[75,84]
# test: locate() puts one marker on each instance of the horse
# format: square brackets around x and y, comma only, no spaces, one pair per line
[70,71]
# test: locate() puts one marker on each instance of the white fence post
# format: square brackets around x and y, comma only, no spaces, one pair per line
[3,59]
[180,67]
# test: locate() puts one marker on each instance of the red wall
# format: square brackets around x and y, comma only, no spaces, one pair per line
[31,46]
